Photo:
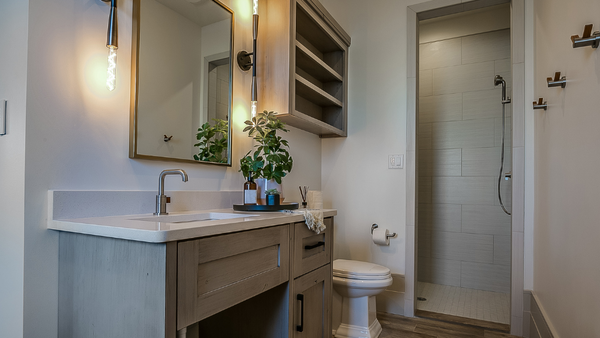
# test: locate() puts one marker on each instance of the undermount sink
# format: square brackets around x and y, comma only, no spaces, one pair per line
[188,218]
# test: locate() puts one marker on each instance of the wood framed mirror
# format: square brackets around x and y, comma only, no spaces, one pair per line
[181,81]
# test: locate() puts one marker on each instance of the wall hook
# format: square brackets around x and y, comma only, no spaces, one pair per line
[558,81]
[167,138]
[587,39]
[541,104]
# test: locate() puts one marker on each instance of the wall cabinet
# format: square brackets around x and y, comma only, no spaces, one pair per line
[304,68]
[240,284]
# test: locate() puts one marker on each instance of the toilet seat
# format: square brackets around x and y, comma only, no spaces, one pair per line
[343,268]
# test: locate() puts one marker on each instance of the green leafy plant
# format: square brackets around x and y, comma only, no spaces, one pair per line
[213,141]
[270,160]
[272,192]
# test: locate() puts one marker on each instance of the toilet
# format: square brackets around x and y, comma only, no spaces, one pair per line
[358,283]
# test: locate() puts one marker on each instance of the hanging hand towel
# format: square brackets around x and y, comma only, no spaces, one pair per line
[313,219]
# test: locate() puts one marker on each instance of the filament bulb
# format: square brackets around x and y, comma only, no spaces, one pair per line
[255,7]
[254,108]
[112,68]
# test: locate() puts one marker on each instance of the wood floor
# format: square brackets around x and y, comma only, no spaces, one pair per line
[395,326]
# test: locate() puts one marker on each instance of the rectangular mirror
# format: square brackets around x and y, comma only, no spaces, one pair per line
[181,81]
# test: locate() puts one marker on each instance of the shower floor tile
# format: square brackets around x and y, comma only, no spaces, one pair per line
[462,302]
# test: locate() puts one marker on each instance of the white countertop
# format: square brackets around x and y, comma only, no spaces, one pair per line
[132,227]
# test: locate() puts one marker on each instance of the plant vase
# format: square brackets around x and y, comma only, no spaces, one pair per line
[262,185]
[273,200]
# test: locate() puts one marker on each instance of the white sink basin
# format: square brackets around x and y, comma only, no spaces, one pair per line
[188,218]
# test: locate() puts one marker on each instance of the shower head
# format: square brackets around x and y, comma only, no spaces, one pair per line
[498,80]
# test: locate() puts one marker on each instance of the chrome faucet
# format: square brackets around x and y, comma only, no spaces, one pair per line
[161,198]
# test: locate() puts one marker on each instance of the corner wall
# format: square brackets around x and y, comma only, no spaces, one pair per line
[13,67]
[567,187]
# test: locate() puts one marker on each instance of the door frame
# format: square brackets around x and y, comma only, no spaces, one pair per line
[517,27]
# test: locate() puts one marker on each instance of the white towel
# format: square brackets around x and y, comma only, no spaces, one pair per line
[312,217]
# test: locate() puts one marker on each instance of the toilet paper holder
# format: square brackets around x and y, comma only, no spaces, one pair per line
[375,226]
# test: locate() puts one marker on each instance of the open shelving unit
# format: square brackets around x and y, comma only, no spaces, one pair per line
[316,100]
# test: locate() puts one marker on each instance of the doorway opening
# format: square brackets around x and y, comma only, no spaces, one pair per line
[463,255]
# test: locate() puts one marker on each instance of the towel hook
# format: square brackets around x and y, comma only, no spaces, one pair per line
[558,81]
[541,104]
[587,38]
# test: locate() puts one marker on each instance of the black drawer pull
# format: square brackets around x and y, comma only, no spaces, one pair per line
[308,247]
[300,328]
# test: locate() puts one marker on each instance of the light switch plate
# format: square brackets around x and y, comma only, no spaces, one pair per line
[395,161]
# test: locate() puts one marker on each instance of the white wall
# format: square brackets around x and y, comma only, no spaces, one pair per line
[13,67]
[355,177]
[567,185]
[77,133]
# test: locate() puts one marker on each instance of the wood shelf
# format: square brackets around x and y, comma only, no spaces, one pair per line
[312,64]
[315,94]
[302,121]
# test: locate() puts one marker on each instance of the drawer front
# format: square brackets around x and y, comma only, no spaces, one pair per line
[311,250]
[216,273]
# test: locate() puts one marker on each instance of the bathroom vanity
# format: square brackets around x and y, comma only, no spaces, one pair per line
[202,274]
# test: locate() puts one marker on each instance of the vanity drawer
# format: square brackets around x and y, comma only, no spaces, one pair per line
[218,272]
[311,250]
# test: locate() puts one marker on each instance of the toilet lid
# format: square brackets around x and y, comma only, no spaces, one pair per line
[359,270]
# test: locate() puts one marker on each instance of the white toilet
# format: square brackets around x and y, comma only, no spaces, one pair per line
[358,283]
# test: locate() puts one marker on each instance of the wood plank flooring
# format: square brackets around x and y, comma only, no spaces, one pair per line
[395,326]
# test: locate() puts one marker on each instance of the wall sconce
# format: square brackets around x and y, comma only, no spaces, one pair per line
[244,60]
[111,44]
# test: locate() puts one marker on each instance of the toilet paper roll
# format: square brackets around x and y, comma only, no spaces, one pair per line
[314,199]
[380,237]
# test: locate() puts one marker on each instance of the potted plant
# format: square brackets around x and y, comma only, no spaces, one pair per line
[273,197]
[270,161]
[212,145]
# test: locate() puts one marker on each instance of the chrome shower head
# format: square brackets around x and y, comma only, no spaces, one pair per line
[498,80]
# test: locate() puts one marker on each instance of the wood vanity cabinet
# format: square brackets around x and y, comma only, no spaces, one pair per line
[242,284]
[303,71]
[311,296]
[216,273]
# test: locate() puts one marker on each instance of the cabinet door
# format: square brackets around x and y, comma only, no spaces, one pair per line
[312,304]
[311,250]
[218,272]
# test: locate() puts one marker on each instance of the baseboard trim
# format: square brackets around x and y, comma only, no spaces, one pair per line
[540,326]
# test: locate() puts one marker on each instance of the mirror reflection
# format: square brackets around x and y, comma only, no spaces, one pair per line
[183,81]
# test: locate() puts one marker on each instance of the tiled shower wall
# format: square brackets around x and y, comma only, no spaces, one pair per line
[463,236]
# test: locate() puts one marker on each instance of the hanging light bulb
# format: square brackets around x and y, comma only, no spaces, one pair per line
[111,44]
[111,74]
[254,103]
